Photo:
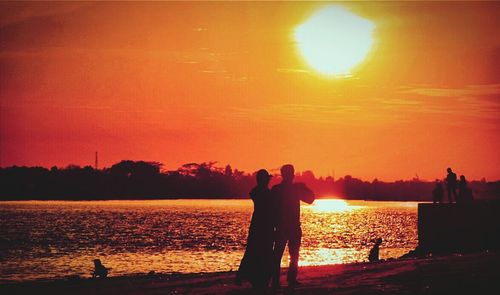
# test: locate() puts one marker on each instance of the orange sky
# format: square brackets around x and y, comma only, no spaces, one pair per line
[194,82]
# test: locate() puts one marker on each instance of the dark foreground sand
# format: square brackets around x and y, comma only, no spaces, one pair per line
[456,274]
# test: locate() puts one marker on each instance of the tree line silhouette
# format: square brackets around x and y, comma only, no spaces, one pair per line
[146,180]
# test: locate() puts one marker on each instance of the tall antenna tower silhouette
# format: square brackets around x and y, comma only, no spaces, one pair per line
[96,161]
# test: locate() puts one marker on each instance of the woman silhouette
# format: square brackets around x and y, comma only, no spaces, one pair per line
[256,264]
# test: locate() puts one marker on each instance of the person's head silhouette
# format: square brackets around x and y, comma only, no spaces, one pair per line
[449,170]
[288,173]
[263,177]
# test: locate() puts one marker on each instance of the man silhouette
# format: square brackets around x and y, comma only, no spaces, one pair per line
[287,196]
[451,185]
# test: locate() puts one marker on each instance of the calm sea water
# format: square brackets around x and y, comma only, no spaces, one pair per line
[54,239]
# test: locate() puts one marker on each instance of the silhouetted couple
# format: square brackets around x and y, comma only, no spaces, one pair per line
[275,223]
[464,192]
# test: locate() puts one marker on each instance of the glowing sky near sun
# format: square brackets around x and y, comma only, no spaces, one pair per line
[334,40]
[191,82]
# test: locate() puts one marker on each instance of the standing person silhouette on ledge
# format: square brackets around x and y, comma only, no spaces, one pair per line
[287,196]
[464,192]
[437,193]
[451,185]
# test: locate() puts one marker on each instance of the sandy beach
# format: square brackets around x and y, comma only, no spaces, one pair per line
[459,274]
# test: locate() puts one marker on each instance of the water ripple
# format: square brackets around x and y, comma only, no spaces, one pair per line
[50,239]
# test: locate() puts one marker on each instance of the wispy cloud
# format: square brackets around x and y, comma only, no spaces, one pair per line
[400,102]
[478,101]
[200,29]
[87,107]
[467,91]
[212,71]
[306,113]
[292,70]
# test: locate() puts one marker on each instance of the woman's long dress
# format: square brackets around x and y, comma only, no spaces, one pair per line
[256,264]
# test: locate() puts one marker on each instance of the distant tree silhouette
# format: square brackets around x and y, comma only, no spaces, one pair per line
[146,180]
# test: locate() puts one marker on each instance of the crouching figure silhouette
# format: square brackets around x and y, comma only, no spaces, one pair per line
[374,252]
[99,271]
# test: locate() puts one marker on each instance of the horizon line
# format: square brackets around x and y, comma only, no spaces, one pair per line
[483,179]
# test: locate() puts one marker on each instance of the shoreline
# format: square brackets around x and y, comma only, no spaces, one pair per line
[477,272]
[215,198]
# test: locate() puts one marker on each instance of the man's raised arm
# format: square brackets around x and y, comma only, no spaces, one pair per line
[305,193]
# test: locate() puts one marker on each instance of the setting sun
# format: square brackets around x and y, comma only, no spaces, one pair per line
[333,41]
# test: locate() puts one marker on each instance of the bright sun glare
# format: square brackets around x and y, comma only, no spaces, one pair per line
[334,40]
[332,205]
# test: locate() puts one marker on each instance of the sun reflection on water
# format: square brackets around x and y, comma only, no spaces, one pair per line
[333,205]
[323,256]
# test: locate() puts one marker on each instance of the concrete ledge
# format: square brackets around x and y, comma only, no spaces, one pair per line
[445,228]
